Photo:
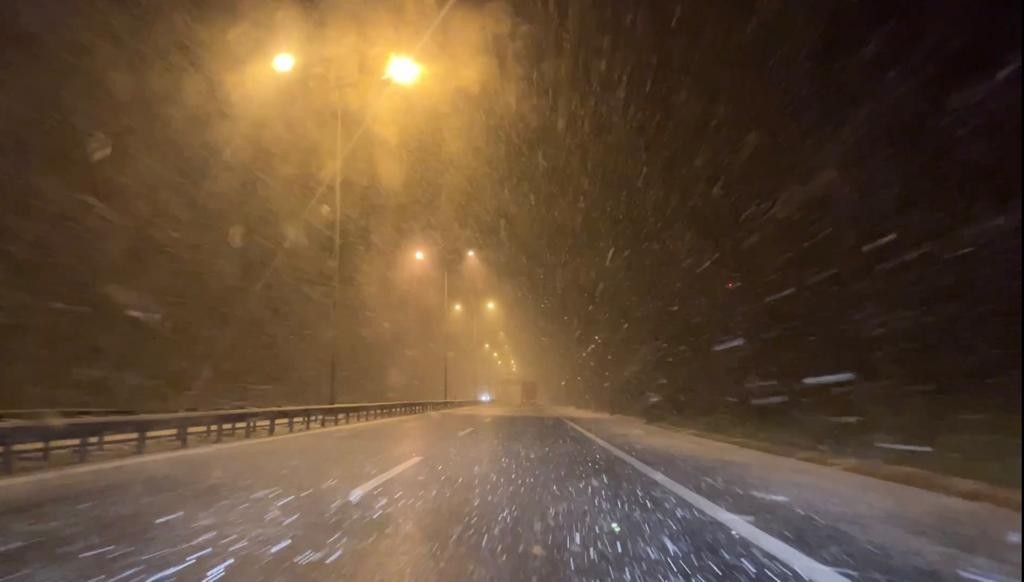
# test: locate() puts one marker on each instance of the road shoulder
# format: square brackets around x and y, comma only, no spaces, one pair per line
[942,531]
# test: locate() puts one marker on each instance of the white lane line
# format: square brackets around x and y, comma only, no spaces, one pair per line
[467,431]
[94,552]
[975,577]
[169,517]
[899,447]
[373,483]
[164,455]
[807,566]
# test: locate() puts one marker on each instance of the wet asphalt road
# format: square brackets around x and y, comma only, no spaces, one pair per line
[486,495]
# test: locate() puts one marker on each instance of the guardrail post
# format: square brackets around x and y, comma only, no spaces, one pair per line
[99,442]
[83,449]
[8,457]
[335,419]
[248,427]
[346,417]
[46,450]
[273,423]
[323,420]
[308,417]
[140,443]
[220,432]
[291,423]
[183,435]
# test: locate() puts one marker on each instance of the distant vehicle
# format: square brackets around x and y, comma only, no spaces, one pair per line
[529,393]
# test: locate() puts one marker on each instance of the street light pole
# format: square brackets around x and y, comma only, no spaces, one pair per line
[401,70]
[476,356]
[333,393]
[444,332]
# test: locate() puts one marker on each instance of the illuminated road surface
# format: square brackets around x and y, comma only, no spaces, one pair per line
[490,494]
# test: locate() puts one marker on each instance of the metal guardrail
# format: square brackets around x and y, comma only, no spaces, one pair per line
[20,439]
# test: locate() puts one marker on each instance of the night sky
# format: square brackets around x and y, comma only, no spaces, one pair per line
[681,207]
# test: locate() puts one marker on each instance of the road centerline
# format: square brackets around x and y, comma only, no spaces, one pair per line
[804,564]
[370,485]
[466,431]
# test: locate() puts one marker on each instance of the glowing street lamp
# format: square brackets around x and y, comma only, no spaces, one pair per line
[403,70]
[491,305]
[457,307]
[420,255]
[283,62]
[471,253]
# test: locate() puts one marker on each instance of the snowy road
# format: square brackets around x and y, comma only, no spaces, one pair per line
[491,494]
